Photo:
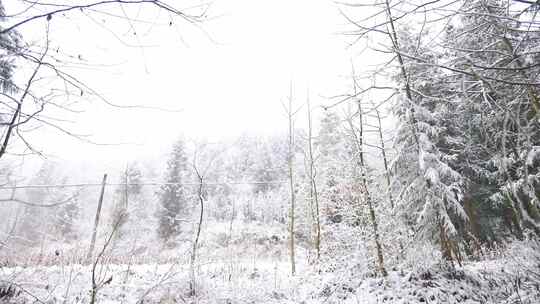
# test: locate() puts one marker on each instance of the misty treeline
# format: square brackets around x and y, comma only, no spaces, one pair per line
[245,179]
[432,156]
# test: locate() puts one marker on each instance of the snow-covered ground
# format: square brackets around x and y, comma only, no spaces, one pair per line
[249,263]
[243,280]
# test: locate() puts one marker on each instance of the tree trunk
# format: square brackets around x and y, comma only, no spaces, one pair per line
[291,185]
[313,194]
[193,291]
[363,182]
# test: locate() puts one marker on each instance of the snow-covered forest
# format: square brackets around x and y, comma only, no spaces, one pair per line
[414,179]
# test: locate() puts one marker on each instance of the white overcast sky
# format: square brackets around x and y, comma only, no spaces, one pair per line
[228,78]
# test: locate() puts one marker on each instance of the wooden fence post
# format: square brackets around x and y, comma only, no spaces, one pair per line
[96,222]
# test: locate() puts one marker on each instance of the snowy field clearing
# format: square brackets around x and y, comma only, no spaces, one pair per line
[249,281]
[252,266]
[225,282]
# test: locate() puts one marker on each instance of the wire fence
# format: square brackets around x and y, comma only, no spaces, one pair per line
[82,185]
[34,236]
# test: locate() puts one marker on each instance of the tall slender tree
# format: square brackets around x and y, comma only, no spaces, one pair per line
[128,191]
[172,193]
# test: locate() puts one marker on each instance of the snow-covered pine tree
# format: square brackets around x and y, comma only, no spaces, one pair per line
[495,47]
[127,193]
[67,214]
[173,194]
[430,191]
[51,213]
[37,221]
[333,165]
[10,44]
